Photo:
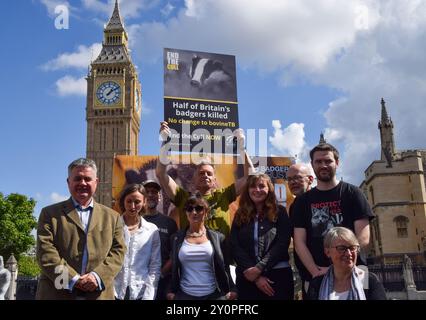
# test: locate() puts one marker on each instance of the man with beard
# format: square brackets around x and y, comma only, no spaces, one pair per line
[204,180]
[166,226]
[331,203]
[299,180]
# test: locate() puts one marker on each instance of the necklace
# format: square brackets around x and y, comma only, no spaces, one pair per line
[196,234]
[134,226]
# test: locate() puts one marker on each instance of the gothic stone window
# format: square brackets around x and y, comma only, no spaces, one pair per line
[372,194]
[401,223]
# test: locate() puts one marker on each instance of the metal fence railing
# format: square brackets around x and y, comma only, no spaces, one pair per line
[392,276]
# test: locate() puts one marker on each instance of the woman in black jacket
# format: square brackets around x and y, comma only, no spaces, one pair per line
[200,267]
[260,237]
[344,280]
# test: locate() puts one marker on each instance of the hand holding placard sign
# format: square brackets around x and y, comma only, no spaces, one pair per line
[164,131]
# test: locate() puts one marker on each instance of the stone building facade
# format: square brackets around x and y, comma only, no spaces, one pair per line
[395,189]
[113,111]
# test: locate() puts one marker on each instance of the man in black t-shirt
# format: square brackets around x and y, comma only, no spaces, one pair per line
[329,204]
[166,226]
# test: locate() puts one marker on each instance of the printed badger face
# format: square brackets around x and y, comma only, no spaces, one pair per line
[321,221]
[204,71]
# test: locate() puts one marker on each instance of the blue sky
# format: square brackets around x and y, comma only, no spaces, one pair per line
[302,67]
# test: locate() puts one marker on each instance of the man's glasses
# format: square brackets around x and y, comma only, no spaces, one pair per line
[343,249]
[295,178]
[198,209]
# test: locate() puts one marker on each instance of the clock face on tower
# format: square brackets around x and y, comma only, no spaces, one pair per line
[108,92]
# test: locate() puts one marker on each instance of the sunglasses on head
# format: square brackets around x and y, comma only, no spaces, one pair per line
[198,208]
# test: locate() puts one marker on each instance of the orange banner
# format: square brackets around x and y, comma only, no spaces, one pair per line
[137,169]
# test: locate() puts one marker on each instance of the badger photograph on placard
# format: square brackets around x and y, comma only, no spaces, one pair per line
[199,75]
[200,100]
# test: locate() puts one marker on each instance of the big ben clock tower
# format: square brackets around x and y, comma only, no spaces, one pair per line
[113,110]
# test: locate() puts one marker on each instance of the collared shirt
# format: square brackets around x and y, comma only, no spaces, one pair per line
[84,214]
[142,262]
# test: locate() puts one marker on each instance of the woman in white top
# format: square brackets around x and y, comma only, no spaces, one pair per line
[200,266]
[140,273]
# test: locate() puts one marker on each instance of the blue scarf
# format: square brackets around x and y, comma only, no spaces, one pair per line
[356,291]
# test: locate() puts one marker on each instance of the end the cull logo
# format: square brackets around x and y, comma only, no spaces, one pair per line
[173,61]
[63,17]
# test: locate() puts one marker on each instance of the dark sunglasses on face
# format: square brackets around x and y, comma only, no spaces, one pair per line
[198,209]
[343,249]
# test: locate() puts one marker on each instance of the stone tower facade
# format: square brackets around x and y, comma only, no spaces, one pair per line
[113,111]
[386,136]
[395,189]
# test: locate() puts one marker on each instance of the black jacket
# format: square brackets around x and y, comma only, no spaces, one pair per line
[224,283]
[275,238]
[374,292]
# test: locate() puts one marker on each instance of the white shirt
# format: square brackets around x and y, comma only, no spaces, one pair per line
[339,295]
[85,215]
[142,263]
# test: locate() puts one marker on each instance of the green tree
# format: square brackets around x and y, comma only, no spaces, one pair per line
[28,266]
[16,223]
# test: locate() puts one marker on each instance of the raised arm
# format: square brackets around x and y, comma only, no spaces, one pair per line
[245,158]
[168,185]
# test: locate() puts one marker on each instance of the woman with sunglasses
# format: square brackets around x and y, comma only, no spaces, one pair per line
[200,268]
[260,237]
[344,280]
[138,278]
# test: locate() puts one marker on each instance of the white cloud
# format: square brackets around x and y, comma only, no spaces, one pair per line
[385,62]
[289,141]
[268,34]
[99,6]
[69,85]
[79,59]
[167,9]
[56,197]
[364,49]
[52,4]
[146,111]
[128,8]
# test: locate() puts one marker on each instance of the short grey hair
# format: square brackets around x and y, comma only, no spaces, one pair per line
[205,162]
[82,162]
[340,233]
